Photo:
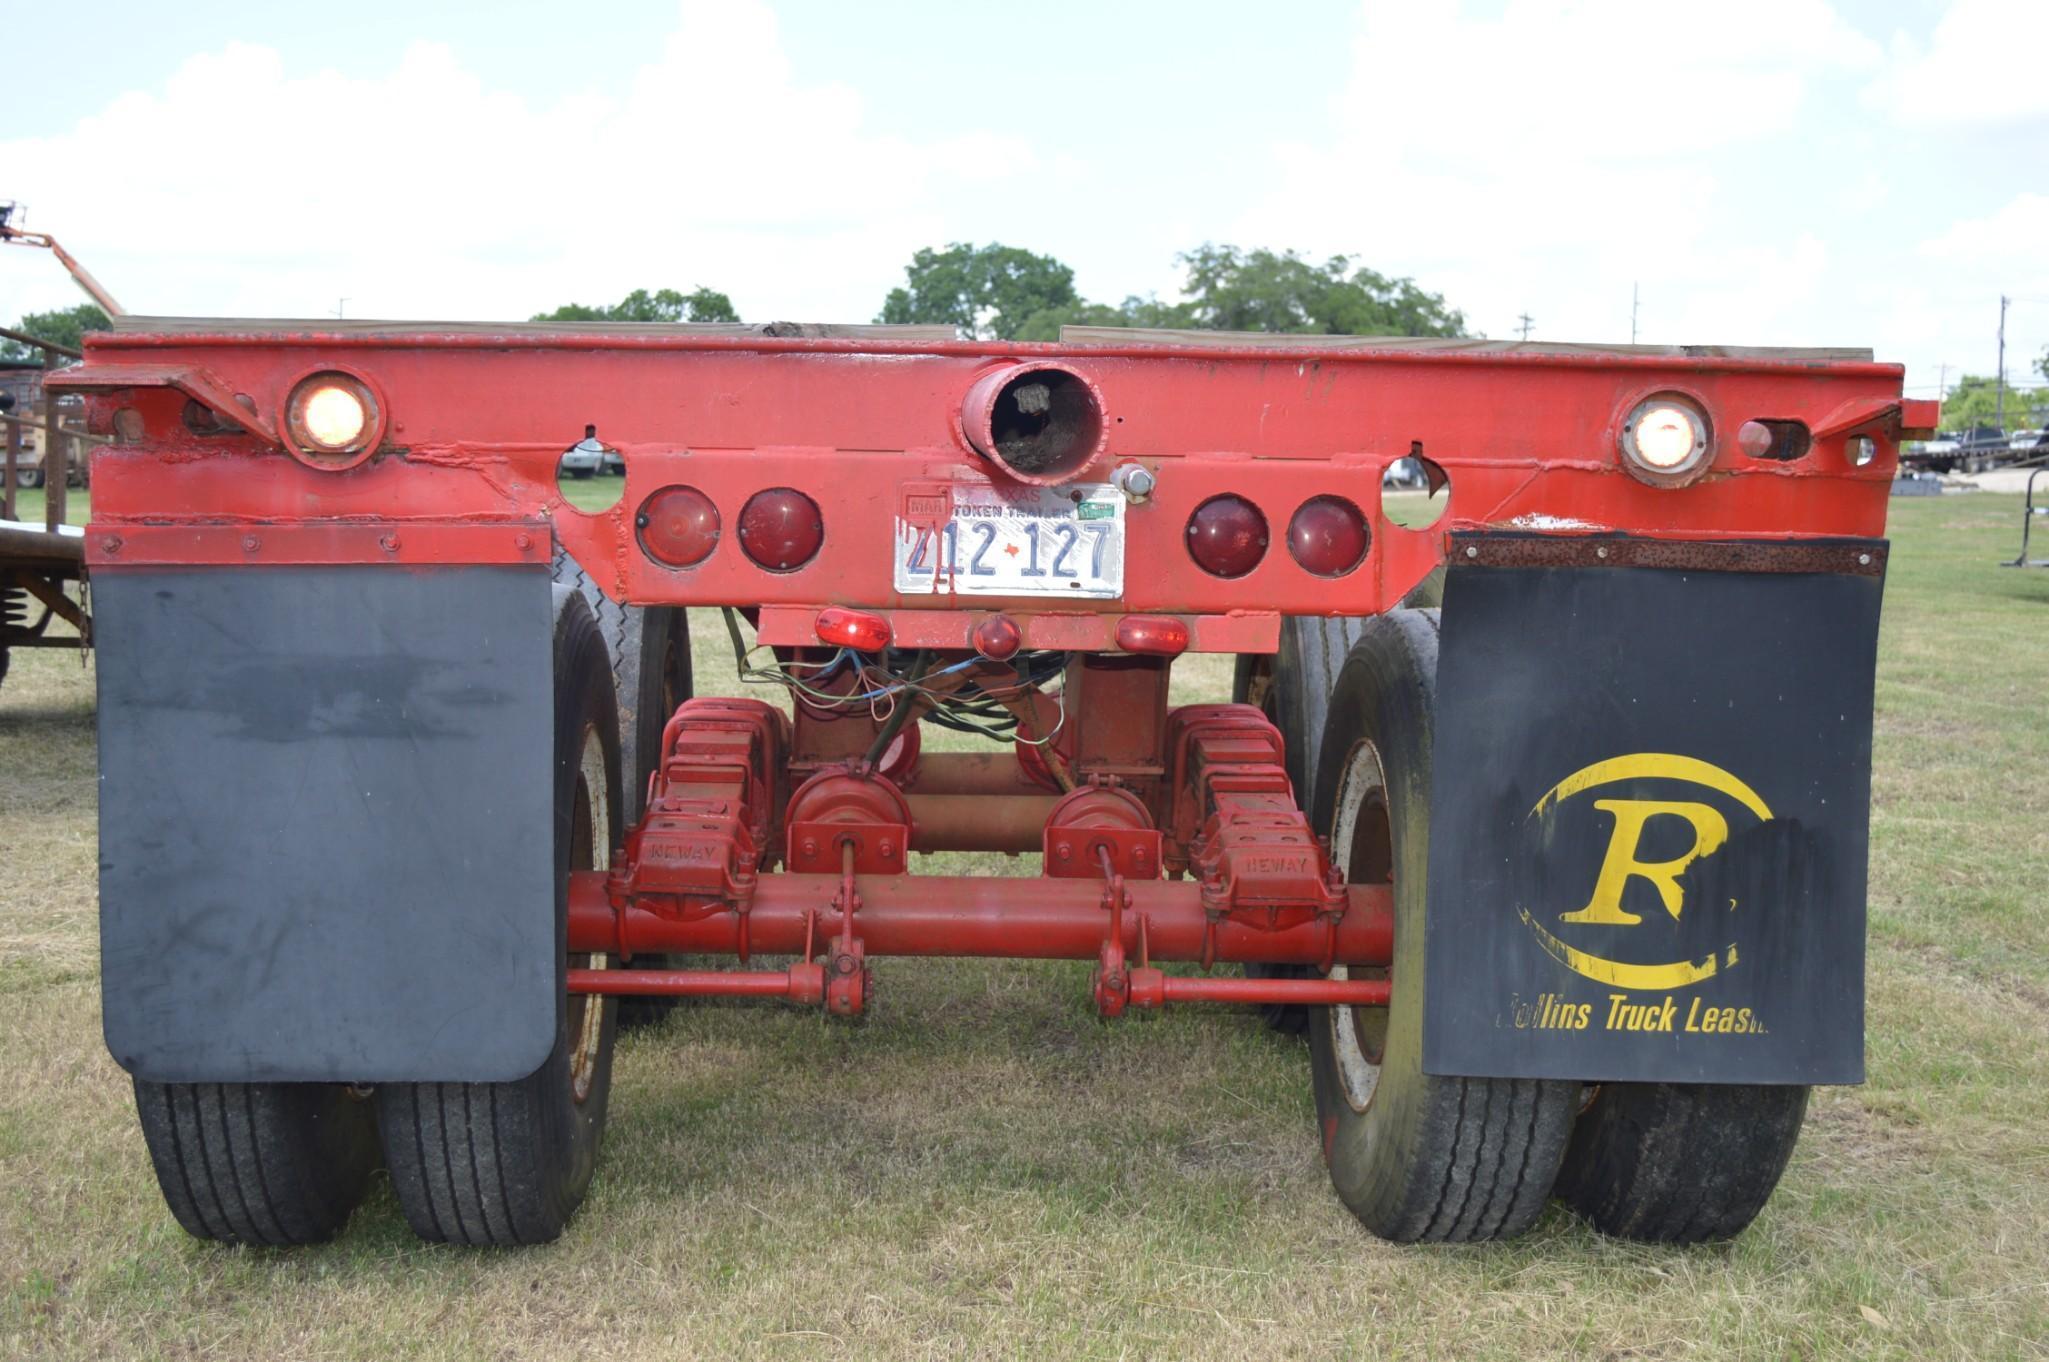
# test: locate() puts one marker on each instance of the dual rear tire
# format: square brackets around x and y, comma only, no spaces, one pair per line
[1427,1158]
[471,1163]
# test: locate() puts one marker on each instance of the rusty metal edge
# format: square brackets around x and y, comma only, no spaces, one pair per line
[1853,557]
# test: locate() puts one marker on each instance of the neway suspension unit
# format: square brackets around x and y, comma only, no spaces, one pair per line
[406,803]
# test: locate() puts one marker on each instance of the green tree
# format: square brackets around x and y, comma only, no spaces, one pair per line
[2042,364]
[663,305]
[1232,290]
[1045,324]
[987,291]
[67,326]
[1974,401]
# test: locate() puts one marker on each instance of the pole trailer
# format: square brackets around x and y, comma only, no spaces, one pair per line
[1538,805]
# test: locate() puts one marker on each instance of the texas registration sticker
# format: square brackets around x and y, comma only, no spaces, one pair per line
[1017,541]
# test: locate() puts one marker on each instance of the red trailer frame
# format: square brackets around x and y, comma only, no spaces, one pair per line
[809,479]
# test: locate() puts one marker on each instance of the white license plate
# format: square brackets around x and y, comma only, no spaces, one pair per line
[1018,541]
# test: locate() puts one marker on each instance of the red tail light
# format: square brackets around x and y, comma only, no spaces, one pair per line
[781,529]
[1328,536]
[1161,635]
[1227,536]
[856,629]
[998,638]
[678,526]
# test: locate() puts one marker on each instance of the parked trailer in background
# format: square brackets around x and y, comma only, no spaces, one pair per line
[1565,881]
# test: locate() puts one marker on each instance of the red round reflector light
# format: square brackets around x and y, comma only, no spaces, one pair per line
[781,529]
[1227,536]
[1328,536]
[1161,635]
[856,629]
[998,638]
[679,527]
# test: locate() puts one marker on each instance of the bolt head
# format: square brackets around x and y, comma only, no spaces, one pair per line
[250,543]
[1136,481]
[1472,550]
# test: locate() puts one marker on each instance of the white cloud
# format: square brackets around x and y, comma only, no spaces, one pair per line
[1553,157]
[2014,233]
[1982,65]
[245,187]
[1593,80]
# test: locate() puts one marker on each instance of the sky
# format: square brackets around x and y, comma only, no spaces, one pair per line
[1762,172]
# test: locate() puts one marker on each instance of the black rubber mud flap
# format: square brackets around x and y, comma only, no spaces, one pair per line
[1650,814]
[325,796]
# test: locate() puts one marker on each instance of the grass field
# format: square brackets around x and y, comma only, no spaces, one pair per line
[984,1169]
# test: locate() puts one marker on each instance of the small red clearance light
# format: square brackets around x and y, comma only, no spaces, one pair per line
[856,629]
[1227,536]
[998,638]
[1161,635]
[781,529]
[679,527]
[1328,536]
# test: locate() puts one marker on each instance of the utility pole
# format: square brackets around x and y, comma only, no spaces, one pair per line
[341,307]
[1632,314]
[1942,385]
[1526,324]
[1999,402]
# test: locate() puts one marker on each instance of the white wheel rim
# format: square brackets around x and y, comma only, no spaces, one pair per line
[1363,778]
[583,1059]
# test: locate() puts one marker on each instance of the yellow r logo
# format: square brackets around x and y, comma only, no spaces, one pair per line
[1620,865]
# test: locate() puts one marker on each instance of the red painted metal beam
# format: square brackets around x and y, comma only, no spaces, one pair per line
[802,983]
[479,418]
[932,915]
[1149,988]
[988,822]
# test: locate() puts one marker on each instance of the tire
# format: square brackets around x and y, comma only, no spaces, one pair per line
[269,1164]
[650,651]
[508,1163]
[1416,1157]
[1679,1163]
[29,477]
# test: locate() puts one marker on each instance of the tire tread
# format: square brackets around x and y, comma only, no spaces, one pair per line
[271,1165]
[1680,1163]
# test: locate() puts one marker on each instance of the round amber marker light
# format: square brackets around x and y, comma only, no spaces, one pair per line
[333,417]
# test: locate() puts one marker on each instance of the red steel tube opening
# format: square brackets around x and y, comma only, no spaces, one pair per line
[1039,423]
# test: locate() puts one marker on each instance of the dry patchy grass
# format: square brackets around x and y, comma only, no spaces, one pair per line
[983,1169]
